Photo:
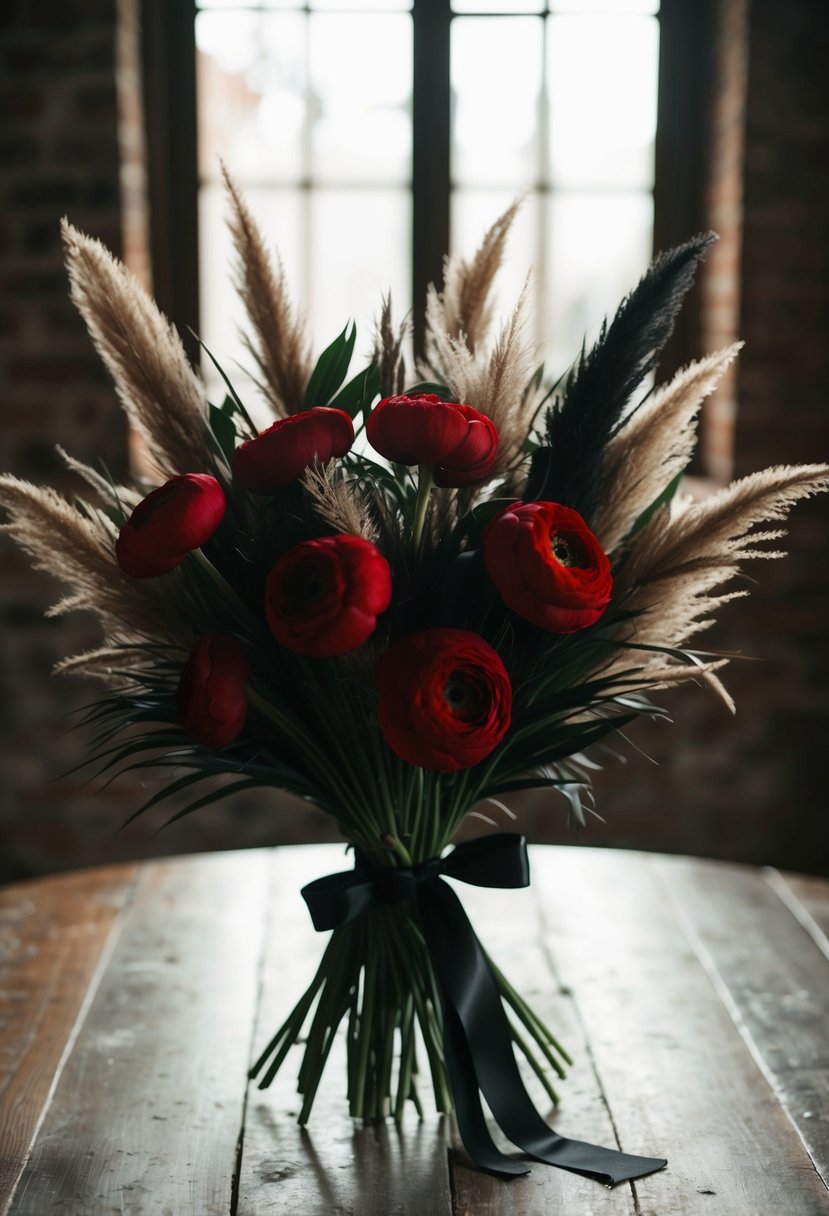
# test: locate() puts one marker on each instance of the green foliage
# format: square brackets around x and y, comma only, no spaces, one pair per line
[331,368]
[662,501]
[357,396]
[430,386]
[246,421]
[223,428]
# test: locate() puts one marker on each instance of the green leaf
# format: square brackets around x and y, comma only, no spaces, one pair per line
[223,428]
[116,515]
[358,394]
[232,394]
[429,386]
[331,368]
[476,520]
[663,499]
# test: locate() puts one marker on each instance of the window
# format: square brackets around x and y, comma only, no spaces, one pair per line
[310,108]
[368,134]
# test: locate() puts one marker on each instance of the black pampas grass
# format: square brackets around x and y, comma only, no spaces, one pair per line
[581,420]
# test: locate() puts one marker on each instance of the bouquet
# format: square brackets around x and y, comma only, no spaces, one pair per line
[418,588]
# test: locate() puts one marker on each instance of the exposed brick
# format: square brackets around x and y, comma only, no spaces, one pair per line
[33,284]
[42,237]
[97,100]
[9,323]
[20,103]
[69,14]
[51,370]
[37,461]
[18,151]
[92,148]
[44,190]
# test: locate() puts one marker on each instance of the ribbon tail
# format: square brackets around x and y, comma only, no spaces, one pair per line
[480,1056]
[468,1110]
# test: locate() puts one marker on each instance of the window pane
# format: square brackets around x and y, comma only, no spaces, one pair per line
[363,5]
[602,77]
[498,6]
[361,241]
[301,6]
[475,211]
[361,82]
[280,214]
[605,6]
[249,4]
[496,81]
[599,247]
[252,83]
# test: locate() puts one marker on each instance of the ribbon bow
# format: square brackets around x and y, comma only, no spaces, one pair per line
[477,1040]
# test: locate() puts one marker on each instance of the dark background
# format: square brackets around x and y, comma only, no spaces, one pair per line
[749,787]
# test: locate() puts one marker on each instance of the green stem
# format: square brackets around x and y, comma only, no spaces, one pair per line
[318,763]
[425,481]
[361,1087]
[290,1028]
[233,599]
[331,1009]
[396,845]
[530,1018]
[404,1079]
[529,1055]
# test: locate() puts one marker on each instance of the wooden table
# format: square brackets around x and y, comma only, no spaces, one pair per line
[693,995]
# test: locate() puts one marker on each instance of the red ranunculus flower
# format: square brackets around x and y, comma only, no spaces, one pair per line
[445,699]
[421,429]
[211,697]
[323,596]
[177,517]
[283,452]
[548,566]
[474,456]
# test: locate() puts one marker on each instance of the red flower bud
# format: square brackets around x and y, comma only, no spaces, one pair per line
[177,517]
[323,597]
[445,699]
[548,566]
[474,456]
[283,452]
[457,440]
[212,692]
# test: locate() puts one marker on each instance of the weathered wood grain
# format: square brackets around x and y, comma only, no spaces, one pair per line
[334,1167]
[772,977]
[807,898]
[679,1079]
[510,928]
[693,996]
[54,934]
[147,1112]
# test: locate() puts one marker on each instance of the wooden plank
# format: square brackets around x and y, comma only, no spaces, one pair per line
[147,1112]
[509,926]
[807,898]
[335,1165]
[772,977]
[54,933]
[678,1077]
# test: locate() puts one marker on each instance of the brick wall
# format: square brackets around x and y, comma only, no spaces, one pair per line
[59,152]
[70,143]
[784,411]
[750,786]
[753,787]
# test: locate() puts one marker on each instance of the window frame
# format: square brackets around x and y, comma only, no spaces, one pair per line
[169,68]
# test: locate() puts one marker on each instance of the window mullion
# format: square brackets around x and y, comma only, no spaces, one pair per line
[169,68]
[431,102]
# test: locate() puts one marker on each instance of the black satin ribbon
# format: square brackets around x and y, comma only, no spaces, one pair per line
[477,1039]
